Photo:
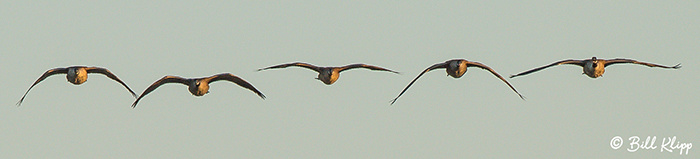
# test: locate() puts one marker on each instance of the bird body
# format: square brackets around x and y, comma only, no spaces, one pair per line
[328,75]
[456,68]
[594,68]
[197,88]
[76,75]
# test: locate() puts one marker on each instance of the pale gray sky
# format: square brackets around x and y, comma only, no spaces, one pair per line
[566,114]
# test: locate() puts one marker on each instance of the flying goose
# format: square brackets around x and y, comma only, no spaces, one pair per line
[198,86]
[595,67]
[76,75]
[328,75]
[456,68]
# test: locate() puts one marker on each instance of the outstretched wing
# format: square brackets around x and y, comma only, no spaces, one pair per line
[298,64]
[164,80]
[482,66]
[237,80]
[352,66]
[44,76]
[574,62]
[618,61]
[435,66]
[109,74]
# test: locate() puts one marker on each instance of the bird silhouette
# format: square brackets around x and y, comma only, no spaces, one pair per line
[328,75]
[76,75]
[198,86]
[456,68]
[595,67]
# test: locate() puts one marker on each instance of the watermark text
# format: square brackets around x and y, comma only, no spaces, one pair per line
[667,144]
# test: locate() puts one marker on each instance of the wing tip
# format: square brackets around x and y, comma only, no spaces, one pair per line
[133,105]
[19,103]
[677,66]
[393,101]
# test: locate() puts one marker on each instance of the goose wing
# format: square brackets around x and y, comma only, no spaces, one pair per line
[573,62]
[352,66]
[619,61]
[482,66]
[44,76]
[109,74]
[237,80]
[433,67]
[298,64]
[164,80]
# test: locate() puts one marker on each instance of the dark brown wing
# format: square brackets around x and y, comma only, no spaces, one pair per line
[618,61]
[376,68]
[237,80]
[298,64]
[44,76]
[435,66]
[109,74]
[482,66]
[164,80]
[573,62]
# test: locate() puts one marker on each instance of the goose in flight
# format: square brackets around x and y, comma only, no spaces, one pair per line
[198,86]
[595,67]
[456,68]
[328,75]
[76,75]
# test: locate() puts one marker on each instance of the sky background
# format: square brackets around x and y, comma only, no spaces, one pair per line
[566,114]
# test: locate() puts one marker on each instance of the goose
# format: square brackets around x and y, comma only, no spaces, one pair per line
[456,68]
[595,67]
[328,75]
[76,75]
[198,86]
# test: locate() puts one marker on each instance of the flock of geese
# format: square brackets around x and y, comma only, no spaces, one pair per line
[456,68]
